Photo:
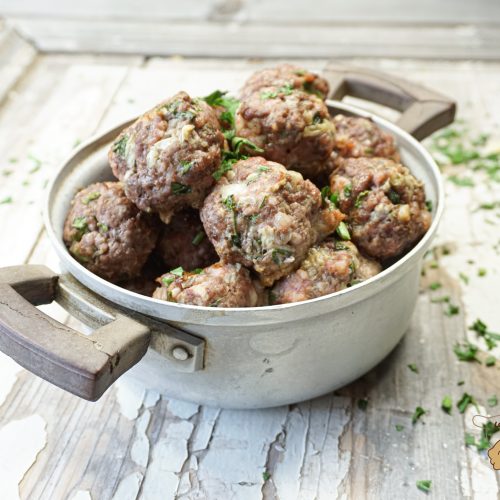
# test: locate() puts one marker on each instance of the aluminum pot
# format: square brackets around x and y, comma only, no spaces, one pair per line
[231,358]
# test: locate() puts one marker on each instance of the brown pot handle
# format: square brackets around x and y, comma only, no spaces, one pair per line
[423,111]
[85,365]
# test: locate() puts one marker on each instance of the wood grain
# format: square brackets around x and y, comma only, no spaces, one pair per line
[138,444]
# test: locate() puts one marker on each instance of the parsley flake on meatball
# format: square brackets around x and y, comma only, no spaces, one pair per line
[166,158]
[107,233]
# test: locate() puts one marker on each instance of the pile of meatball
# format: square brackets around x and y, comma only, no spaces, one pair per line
[240,202]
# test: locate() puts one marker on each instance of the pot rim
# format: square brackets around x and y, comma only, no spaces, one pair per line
[264,314]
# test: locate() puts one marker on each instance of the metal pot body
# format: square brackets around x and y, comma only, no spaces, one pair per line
[261,357]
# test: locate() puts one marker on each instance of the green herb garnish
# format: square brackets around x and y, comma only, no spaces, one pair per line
[435,285]
[417,414]
[185,167]
[343,231]
[461,181]
[178,188]
[103,227]
[424,485]
[490,361]
[481,272]
[359,199]
[120,146]
[452,310]
[167,281]
[199,237]
[428,205]
[466,352]
[80,223]
[493,400]
[266,476]
[413,367]
[399,427]
[178,271]
[363,404]
[465,401]
[91,197]
[447,404]
[280,254]
[481,329]
[393,196]
[7,199]
[348,190]
[272,94]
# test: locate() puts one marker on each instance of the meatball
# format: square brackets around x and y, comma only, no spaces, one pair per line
[107,233]
[384,204]
[357,137]
[219,285]
[286,76]
[264,216]
[167,157]
[183,243]
[328,267]
[290,127]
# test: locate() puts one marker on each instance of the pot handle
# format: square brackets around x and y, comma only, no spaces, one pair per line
[85,365]
[423,111]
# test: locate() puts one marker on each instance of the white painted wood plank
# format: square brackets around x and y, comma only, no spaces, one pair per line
[269,40]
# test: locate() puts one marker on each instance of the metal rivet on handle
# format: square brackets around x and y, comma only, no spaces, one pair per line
[179,353]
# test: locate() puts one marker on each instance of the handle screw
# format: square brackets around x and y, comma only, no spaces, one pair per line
[179,353]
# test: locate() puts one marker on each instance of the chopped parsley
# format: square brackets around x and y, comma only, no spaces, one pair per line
[286,89]
[91,197]
[464,278]
[481,272]
[481,329]
[7,172]
[198,270]
[466,352]
[7,199]
[80,223]
[435,285]
[167,281]
[359,199]
[219,98]
[343,231]
[490,361]
[348,190]
[424,485]
[488,429]
[363,404]
[461,181]
[120,146]
[263,168]
[310,89]
[465,401]
[399,427]
[185,167]
[178,271]
[413,367]
[230,204]
[178,188]
[199,237]
[440,300]
[417,414]
[279,255]
[447,404]
[266,476]
[393,196]
[428,205]
[452,310]
[493,400]
[238,142]
[326,194]
[103,227]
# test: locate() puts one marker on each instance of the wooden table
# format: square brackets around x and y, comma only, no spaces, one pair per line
[137,444]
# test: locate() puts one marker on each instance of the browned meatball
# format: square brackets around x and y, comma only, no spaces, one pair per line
[328,267]
[357,137]
[107,233]
[264,216]
[384,203]
[167,157]
[287,76]
[219,285]
[290,126]
[183,243]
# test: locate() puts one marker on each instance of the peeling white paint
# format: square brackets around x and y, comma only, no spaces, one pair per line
[152,397]
[140,448]
[168,457]
[205,427]
[182,409]
[130,396]
[81,495]
[8,376]
[20,443]
[129,487]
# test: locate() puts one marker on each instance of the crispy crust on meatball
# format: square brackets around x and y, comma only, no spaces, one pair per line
[219,285]
[183,243]
[167,157]
[286,75]
[328,267]
[290,126]
[266,217]
[384,203]
[357,137]
[107,233]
